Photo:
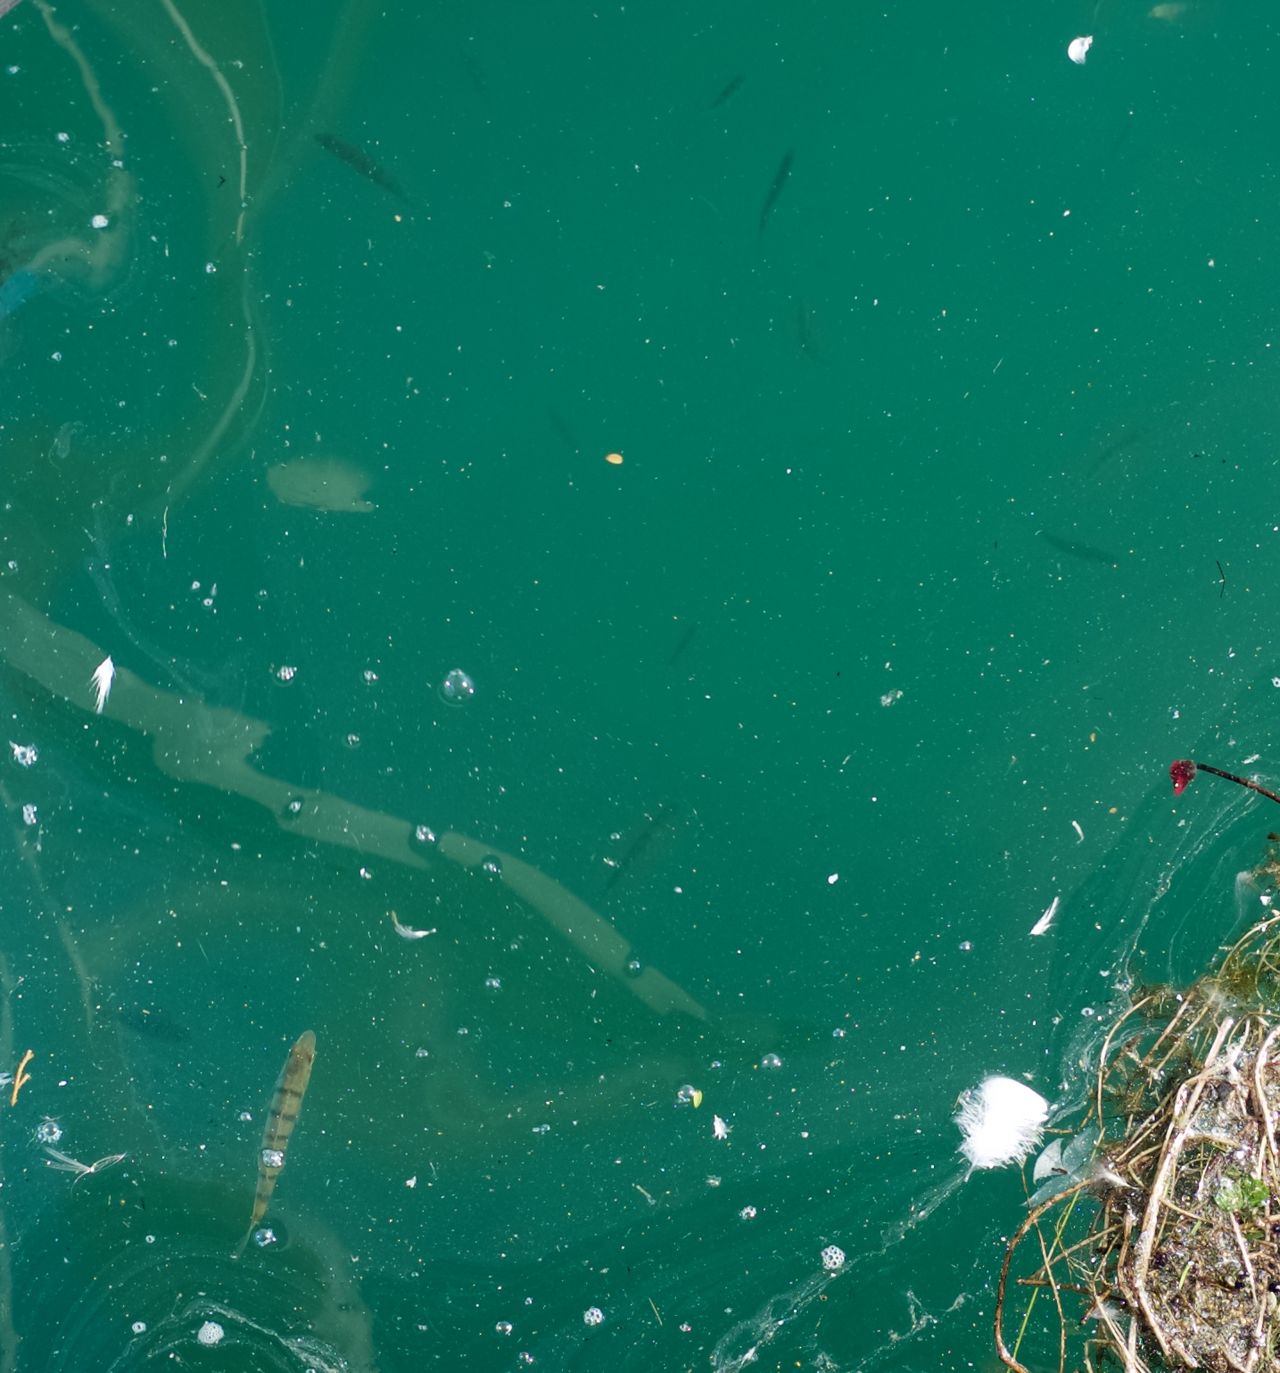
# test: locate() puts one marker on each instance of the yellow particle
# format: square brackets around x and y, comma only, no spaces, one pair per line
[696,1098]
[613,459]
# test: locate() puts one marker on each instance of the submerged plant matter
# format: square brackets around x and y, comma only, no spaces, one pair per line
[1163,1232]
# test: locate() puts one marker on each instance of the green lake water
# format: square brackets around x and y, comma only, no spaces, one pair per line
[944,374]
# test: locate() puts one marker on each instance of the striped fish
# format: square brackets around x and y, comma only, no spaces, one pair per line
[286,1102]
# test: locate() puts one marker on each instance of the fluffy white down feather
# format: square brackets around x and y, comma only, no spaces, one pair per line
[1001,1120]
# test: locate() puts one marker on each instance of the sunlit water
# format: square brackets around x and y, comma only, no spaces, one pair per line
[652,846]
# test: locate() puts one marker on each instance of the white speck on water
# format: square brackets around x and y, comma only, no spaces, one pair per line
[1078,49]
[24,754]
[891,698]
[264,1236]
[210,268]
[720,1129]
[503,1328]
[411,1182]
[832,878]
[966,946]
[273,1158]
[28,814]
[99,221]
[286,673]
[139,1327]
[833,1258]
[748,1213]
[593,1316]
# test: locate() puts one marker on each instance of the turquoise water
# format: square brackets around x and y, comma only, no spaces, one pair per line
[942,371]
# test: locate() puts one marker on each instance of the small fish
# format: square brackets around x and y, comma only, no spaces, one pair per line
[361,163]
[655,822]
[1086,552]
[153,1023]
[775,190]
[727,93]
[286,1102]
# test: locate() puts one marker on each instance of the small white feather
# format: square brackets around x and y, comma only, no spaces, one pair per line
[1042,925]
[104,675]
[1002,1121]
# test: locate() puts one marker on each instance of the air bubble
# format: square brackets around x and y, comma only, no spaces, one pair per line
[352,741]
[493,984]
[771,1061]
[424,836]
[687,1094]
[748,1213]
[273,1158]
[632,967]
[503,1328]
[491,864]
[139,1327]
[48,1131]
[264,1236]
[457,688]
[293,807]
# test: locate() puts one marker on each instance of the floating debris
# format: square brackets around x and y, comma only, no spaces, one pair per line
[1001,1120]
[1162,1215]
[1042,925]
[720,1129]
[405,932]
[104,675]
[21,1077]
[64,1163]
[1078,49]
[210,1333]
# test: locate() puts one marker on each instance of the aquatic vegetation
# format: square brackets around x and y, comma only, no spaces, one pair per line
[1165,1226]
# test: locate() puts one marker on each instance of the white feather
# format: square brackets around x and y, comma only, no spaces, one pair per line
[103,677]
[1042,925]
[1002,1121]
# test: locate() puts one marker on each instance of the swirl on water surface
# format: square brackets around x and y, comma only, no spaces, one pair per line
[131,1297]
